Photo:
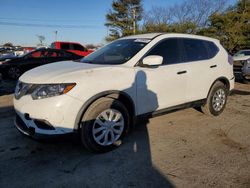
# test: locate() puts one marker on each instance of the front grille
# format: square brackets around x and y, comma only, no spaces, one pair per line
[238,66]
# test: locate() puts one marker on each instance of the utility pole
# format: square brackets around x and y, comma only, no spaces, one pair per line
[134,19]
[56,35]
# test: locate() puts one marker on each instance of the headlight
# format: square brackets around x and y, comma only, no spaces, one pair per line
[51,90]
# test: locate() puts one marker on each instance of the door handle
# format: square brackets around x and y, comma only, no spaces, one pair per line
[182,72]
[213,66]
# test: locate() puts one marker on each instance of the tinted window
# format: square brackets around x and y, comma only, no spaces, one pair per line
[195,50]
[169,50]
[65,46]
[212,49]
[246,52]
[78,47]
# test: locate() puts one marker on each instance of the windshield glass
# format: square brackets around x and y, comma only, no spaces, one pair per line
[243,53]
[117,52]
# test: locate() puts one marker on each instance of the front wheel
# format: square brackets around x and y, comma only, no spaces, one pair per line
[216,100]
[104,125]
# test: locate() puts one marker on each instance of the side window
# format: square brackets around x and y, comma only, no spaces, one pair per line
[78,47]
[195,50]
[169,50]
[212,49]
[65,46]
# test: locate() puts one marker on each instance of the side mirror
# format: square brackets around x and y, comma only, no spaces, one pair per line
[152,60]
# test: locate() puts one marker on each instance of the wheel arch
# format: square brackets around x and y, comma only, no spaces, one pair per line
[222,79]
[119,95]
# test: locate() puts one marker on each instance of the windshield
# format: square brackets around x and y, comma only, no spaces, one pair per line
[117,52]
[243,53]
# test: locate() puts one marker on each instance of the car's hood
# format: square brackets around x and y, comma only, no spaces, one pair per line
[55,72]
[241,58]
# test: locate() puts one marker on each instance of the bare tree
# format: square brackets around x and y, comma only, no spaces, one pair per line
[196,12]
[158,16]
[41,39]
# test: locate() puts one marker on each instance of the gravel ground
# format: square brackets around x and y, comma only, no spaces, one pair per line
[181,149]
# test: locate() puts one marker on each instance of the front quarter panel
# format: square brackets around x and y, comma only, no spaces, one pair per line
[94,82]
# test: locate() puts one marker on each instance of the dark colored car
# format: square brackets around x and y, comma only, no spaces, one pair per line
[15,67]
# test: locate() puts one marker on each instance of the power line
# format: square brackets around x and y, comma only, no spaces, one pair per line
[48,20]
[47,25]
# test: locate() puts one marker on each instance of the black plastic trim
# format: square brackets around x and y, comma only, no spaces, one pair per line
[171,109]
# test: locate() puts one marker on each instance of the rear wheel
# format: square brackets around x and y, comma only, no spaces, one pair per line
[104,125]
[216,100]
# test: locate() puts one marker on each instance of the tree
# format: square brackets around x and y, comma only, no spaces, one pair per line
[8,44]
[123,19]
[232,27]
[41,39]
[187,17]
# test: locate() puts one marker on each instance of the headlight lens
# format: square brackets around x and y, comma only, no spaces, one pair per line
[51,90]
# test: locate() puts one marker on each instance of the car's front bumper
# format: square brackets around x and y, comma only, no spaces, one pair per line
[246,70]
[46,117]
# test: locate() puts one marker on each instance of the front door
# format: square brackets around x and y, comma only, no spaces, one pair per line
[164,86]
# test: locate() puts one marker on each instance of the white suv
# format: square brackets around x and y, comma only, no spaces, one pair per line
[101,97]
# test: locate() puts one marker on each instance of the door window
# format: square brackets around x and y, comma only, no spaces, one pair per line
[169,50]
[194,49]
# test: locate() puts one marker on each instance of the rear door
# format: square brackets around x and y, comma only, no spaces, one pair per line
[199,55]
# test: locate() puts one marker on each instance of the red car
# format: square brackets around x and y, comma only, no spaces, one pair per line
[73,47]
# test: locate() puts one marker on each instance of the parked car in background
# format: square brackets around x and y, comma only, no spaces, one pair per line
[72,47]
[242,64]
[13,67]
[135,76]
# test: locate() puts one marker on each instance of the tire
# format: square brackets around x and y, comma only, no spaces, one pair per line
[245,80]
[14,73]
[95,125]
[219,93]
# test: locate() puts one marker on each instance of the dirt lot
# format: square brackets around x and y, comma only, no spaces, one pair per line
[181,149]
